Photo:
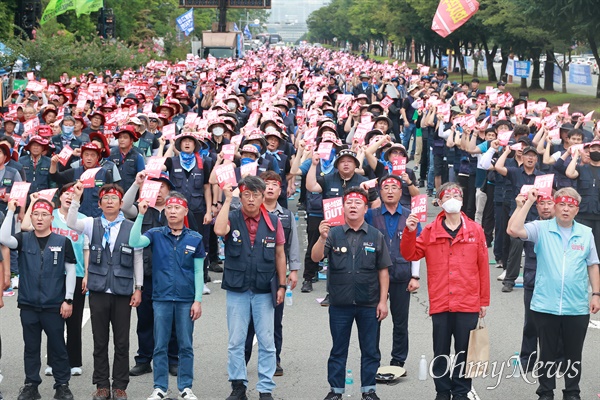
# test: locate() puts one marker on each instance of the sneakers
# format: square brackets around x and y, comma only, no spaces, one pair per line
[370,395]
[64,393]
[48,371]
[499,264]
[119,394]
[173,368]
[325,302]
[157,394]
[238,392]
[507,288]
[187,394]
[215,267]
[334,396]
[442,396]
[502,276]
[396,363]
[306,287]
[29,392]
[206,289]
[266,396]
[76,371]
[278,370]
[140,369]
[14,282]
[546,397]
[101,394]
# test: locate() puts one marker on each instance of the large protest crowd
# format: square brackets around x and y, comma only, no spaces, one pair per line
[113,171]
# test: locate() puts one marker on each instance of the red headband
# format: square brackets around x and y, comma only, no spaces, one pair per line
[567,199]
[269,180]
[71,189]
[243,188]
[355,195]
[111,191]
[545,198]
[391,181]
[450,191]
[177,201]
[43,205]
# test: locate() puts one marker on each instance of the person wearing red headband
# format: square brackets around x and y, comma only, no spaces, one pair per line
[177,283]
[254,277]
[47,284]
[390,219]
[458,282]
[529,344]
[567,260]
[358,284]
[114,278]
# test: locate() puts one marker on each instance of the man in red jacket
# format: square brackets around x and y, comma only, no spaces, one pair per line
[458,282]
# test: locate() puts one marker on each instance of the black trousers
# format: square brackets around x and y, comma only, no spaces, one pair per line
[595,225]
[278,334]
[399,306]
[529,342]
[145,329]
[514,261]
[468,185]
[53,325]
[312,232]
[448,325]
[551,329]
[110,310]
[74,328]
[506,238]
[424,165]
[213,245]
[488,220]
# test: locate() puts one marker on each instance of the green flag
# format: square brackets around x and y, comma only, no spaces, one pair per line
[87,6]
[56,7]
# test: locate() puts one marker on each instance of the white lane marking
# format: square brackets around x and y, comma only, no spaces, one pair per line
[86,316]
[594,324]
[473,394]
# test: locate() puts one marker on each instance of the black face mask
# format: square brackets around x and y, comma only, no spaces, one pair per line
[376,113]
[595,155]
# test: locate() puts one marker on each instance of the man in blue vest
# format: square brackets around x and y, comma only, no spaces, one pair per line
[292,254]
[114,278]
[390,219]
[36,164]
[567,260]
[358,287]
[177,281]
[45,295]
[255,266]
[128,160]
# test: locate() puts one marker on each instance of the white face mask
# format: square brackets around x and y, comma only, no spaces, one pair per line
[270,129]
[232,105]
[556,142]
[218,131]
[452,206]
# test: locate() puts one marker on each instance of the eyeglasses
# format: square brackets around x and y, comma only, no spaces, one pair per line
[40,215]
[251,195]
[153,120]
[111,198]
[392,188]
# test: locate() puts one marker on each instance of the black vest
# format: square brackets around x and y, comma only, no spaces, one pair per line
[400,272]
[588,186]
[39,177]
[42,284]
[108,270]
[353,279]
[249,267]
[127,168]
[7,182]
[191,186]
[90,198]
[529,266]
[152,219]
[334,184]
[314,200]
[286,223]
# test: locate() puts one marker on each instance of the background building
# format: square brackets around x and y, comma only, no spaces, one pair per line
[288,17]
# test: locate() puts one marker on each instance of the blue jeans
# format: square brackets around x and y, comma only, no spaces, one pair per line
[240,306]
[409,133]
[430,176]
[341,319]
[164,314]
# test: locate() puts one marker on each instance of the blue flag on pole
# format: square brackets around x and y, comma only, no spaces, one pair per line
[235,27]
[185,22]
[247,32]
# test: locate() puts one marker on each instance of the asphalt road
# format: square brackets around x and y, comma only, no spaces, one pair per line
[306,347]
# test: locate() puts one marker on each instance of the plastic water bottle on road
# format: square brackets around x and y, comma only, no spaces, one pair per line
[349,384]
[289,299]
[423,368]
[516,365]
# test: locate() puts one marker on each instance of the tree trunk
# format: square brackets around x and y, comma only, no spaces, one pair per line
[503,65]
[535,76]
[594,47]
[549,71]
[489,61]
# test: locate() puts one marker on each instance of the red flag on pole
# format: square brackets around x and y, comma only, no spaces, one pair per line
[452,14]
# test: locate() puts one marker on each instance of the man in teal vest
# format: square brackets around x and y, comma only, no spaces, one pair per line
[567,259]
